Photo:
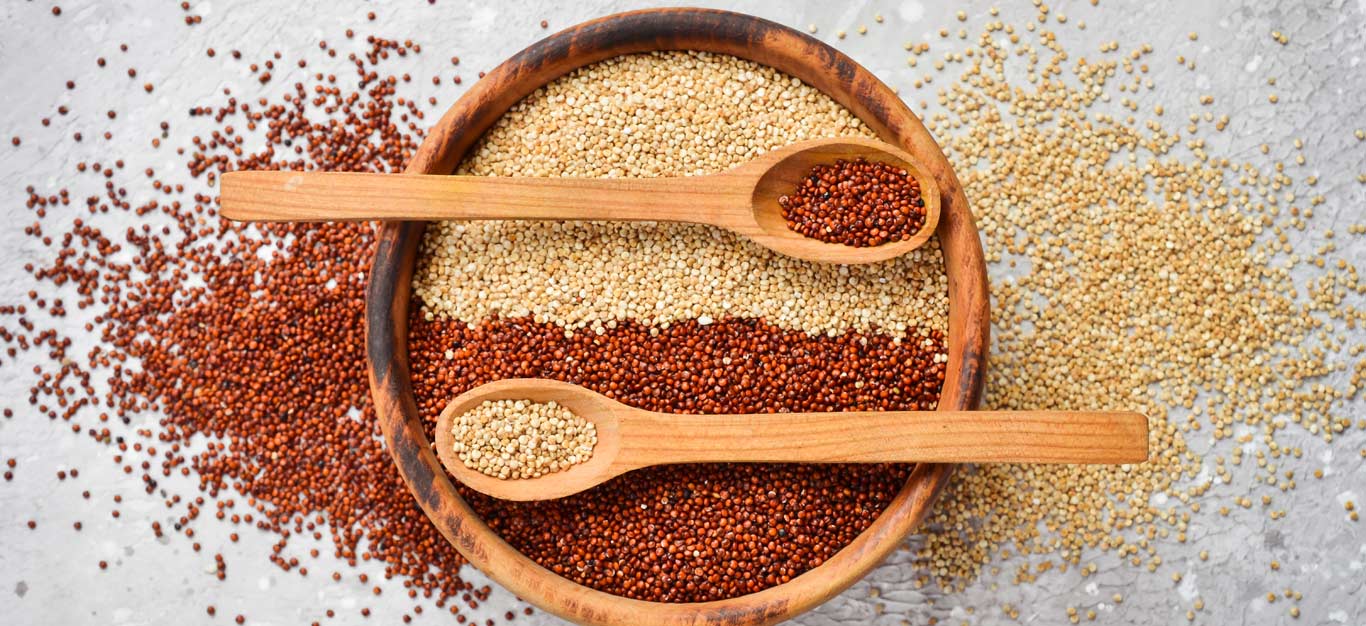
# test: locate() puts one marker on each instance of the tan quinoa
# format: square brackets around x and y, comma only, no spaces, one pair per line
[1133,267]
[661,114]
[512,439]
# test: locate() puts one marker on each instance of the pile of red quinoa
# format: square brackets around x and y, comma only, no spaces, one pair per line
[856,203]
[689,533]
[249,338]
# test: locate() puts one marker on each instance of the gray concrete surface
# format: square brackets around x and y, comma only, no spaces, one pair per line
[48,575]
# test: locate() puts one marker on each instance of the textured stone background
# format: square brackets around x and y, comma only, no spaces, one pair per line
[48,576]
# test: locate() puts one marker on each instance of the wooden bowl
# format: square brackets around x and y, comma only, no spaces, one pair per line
[390,286]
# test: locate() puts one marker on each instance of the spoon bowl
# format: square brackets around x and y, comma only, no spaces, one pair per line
[743,200]
[631,438]
[602,411]
[785,170]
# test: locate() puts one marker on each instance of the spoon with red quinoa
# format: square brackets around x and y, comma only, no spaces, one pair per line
[839,200]
[856,203]
[626,438]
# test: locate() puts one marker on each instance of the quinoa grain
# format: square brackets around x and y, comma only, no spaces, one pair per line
[1229,310]
[855,203]
[512,439]
[582,275]
[675,318]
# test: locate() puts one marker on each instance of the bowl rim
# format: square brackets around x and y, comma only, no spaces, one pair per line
[390,282]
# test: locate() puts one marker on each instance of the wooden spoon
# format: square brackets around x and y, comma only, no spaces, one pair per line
[630,438]
[743,200]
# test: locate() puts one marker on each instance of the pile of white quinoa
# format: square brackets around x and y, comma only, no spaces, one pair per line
[1134,267]
[512,439]
[704,113]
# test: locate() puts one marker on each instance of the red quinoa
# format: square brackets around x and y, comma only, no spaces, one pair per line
[248,339]
[697,532]
[857,203]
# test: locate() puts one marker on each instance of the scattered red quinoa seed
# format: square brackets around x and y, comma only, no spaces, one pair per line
[253,453]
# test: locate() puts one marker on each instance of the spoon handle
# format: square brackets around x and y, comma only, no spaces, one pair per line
[897,436]
[720,199]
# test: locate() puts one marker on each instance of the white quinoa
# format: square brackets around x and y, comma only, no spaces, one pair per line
[1133,268]
[648,115]
[512,439]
